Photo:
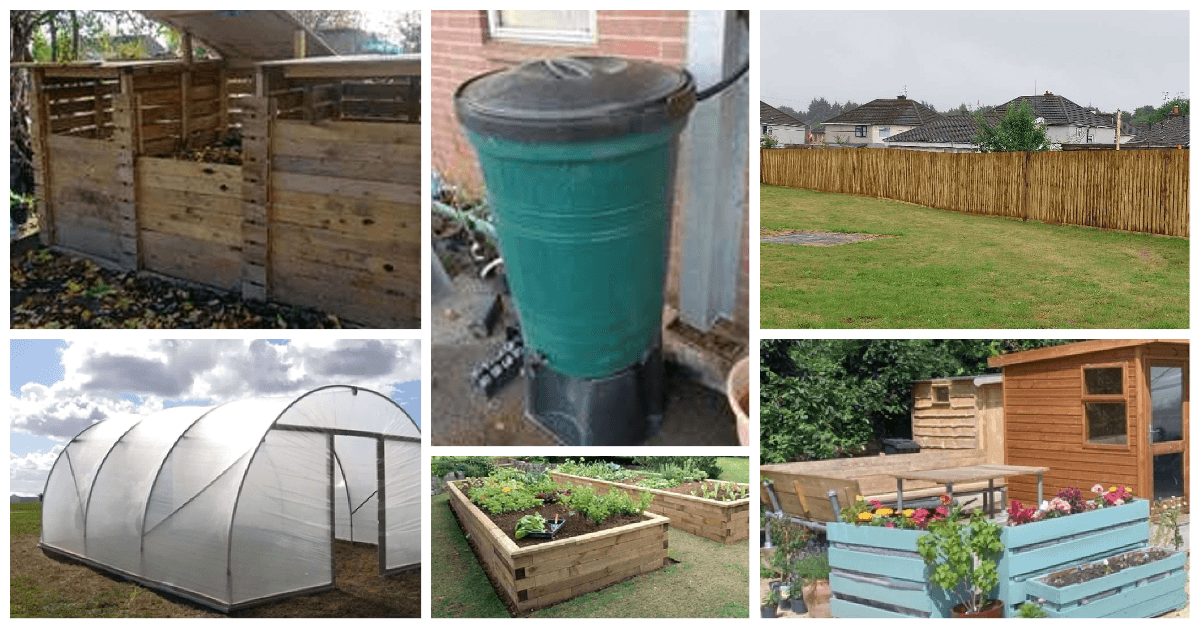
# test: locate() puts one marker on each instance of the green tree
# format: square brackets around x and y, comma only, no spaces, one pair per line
[822,398]
[1149,115]
[1017,131]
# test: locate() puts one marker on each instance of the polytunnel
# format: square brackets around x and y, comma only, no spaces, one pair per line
[240,503]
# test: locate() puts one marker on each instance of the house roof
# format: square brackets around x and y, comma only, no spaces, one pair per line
[1075,348]
[946,130]
[770,115]
[900,111]
[1172,132]
[1058,111]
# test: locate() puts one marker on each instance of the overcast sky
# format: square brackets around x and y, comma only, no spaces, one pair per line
[58,388]
[1106,59]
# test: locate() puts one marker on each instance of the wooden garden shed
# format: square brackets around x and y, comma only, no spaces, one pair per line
[323,209]
[1103,412]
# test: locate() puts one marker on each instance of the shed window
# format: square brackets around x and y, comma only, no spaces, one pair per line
[860,130]
[1106,423]
[551,27]
[1104,405]
[941,394]
[1104,381]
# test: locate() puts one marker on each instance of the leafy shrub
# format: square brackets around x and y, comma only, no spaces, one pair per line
[471,466]
[1029,610]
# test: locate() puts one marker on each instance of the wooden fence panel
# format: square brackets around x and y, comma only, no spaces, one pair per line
[1144,191]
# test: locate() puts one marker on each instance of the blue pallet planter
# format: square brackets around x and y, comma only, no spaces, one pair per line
[877,572]
[1143,591]
[1036,549]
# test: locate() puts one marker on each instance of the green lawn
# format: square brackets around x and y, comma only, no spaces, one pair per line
[949,270]
[25,519]
[735,469]
[710,580]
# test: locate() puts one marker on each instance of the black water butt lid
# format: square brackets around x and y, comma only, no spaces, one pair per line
[575,99]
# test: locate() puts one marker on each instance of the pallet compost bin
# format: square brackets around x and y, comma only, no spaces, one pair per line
[323,211]
[723,522]
[1113,412]
[536,576]
[876,572]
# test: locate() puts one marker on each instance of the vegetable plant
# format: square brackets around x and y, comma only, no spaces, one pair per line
[530,523]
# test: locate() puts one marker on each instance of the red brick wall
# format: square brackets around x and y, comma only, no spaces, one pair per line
[460,49]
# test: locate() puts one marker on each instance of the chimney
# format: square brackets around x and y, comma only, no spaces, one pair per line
[903,97]
[1048,94]
[1175,113]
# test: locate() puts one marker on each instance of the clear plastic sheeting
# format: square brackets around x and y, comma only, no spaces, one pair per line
[241,502]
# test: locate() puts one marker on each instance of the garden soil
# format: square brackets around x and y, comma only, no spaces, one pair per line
[43,586]
[1068,577]
[577,525]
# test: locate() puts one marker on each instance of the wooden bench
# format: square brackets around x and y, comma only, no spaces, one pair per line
[802,488]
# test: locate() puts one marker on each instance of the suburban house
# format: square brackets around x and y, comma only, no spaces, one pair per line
[1069,123]
[1171,132]
[786,130]
[871,123]
[950,134]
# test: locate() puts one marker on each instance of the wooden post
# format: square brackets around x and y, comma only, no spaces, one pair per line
[185,90]
[222,102]
[39,130]
[125,132]
[187,49]
[256,186]
[300,44]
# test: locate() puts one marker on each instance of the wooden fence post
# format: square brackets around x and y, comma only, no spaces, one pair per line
[256,186]
[1025,187]
[125,134]
[39,130]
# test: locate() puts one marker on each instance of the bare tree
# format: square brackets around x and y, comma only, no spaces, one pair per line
[320,20]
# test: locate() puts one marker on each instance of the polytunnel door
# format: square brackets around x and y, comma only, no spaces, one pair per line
[356,505]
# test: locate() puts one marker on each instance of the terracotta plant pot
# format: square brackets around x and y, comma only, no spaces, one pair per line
[994,609]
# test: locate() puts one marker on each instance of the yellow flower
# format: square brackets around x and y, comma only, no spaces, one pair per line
[884,512]
[865,516]
[1112,489]
[908,512]
[507,489]
[858,498]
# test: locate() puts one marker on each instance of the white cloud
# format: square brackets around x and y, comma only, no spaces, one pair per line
[100,377]
[27,474]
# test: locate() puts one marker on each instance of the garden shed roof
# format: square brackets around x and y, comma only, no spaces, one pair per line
[1076,348]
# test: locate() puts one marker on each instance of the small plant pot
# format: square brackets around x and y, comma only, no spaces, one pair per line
[994,609]
[768,611]
[798,605]
[785,604]
[775,584]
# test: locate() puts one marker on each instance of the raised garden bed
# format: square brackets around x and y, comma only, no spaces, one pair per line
[549,572]
[723,522]
[1143,583]
[878,573]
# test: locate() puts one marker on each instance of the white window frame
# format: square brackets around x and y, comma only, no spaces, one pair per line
[531,36]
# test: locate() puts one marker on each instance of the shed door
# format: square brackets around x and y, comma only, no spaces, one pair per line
[1168,427]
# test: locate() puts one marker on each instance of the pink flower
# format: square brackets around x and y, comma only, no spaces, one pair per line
[1097,489]
[945,499]
[1118,502]
[890,525]
[943,511]
[876,504]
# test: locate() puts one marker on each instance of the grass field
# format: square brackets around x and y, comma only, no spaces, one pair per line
[734,469]
[943,269]
[40,586]
[710,580]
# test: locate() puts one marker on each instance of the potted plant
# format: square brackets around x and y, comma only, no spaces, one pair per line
[962,560]
[768,606]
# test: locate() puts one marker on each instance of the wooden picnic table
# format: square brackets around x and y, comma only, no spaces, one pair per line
[972,473]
